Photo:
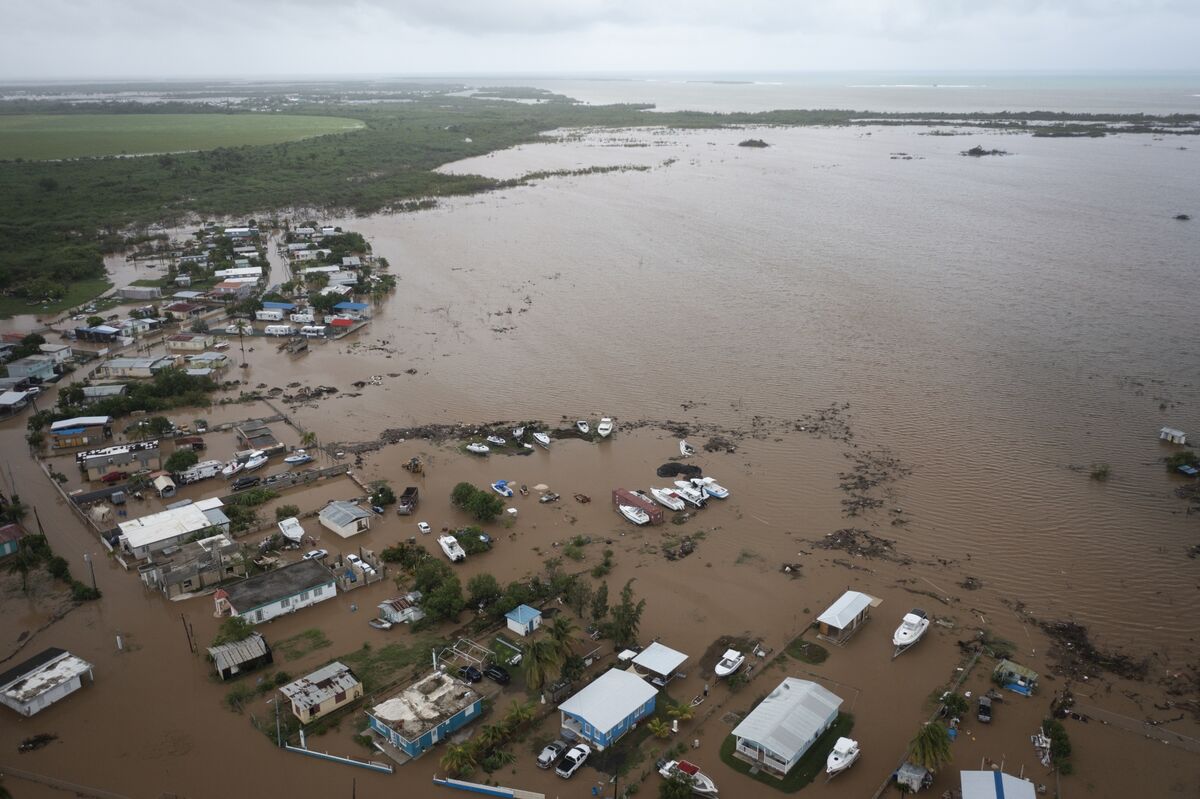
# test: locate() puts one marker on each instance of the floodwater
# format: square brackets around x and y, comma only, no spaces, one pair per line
[992,324]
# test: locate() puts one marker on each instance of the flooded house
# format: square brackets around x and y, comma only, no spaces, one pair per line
[80,431]
[239,657]
[278,592]
[402,609]
[12,402]
[103,391]
[523,620]
[777,733]
[126,458]
[193,566]
[607,708]
[155,532]
[34,684]
[658,663]
[38,368]
[137,368]
[10,538]
[1173,435]
[345,518]
[1015,677]
[844,617]
[994,785]
[189,342]
[322,692]
[415,717]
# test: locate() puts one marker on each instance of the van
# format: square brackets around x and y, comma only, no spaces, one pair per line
[312,331]
[279,330]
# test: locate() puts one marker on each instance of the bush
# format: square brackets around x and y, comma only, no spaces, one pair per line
[1183,458]
[58,568]
[83,593]
[1101,471]
[483,505]
[286,512]
[235,628]
[382,494]
[181,459]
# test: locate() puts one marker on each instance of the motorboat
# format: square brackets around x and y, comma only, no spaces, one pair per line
[380,624]
[518,432]
[730,662]
[478,449]
[690,494]
[501,488]
[634,514]
[257,460]
[844,753]
[291,530]
[546,498]
[497,440]
[583,426]
[912,627]
[605,428]
[702,784]
[452,548]
[298,457]
[686,449]
[643,495]
[668,498]
[232,468]
[543,439]
[710,487]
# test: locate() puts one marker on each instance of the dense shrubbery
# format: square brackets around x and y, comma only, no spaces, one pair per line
[483,505]
[169,388]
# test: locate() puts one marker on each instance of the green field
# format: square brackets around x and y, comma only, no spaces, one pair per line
[77,294]
[40,137]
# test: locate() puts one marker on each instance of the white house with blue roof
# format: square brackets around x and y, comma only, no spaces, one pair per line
[523,620]
[607,708]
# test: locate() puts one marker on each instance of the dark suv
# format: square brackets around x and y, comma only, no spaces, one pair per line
[497,673]
[242,483]
[985,710]
[470,674]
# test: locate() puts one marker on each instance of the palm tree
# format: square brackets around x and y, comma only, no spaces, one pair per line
[492,735]
[459,759]
[542,661]
[681,711]
[519,714]
[308,439]
[930,749]
[659,728]
[562,632]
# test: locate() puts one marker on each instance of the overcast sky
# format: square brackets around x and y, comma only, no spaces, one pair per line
[250,38]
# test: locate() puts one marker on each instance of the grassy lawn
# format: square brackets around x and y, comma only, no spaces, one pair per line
[49,136]
[812,764]
[300,644]
[378,665]
[77,294]
[807,651]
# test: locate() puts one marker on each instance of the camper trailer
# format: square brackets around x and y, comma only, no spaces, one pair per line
[313,331]
[302,318]
[201,471]
[279,330]
[269,315]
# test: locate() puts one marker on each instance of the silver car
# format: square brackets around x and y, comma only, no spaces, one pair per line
[551,754]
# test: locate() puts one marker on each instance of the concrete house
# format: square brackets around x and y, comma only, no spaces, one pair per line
[844,617]
[607,708]
[37,368]
[231,290]
[10,538]
[80,431]
[275,593]
[103,391]
[193,566]
[146,535]
[140,292]
[239,657]
[127,458]
[190,342]
[777,733]
[345,518]
[415,717]
[42,680]
[322,692]
[523,620]
[138,368]
[402,609]
[61,353]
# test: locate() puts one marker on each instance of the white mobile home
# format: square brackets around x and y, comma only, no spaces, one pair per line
[279,330]
[269,315]
[781,729]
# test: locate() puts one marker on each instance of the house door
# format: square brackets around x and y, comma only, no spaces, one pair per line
[436,736]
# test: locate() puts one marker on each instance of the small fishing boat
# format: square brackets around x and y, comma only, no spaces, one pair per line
[290,529]
[518,432]
[844,753]
[668,498]
[710,487]
[729,663]
[634,514]
[452,548]
[702,784]
[912,627]
[605,428]
[257,460]
[501,488]
[690,494]
[478,449]
[298,457]
[231,468]
[686,449]
[497,440]
[543,439]
[583,426]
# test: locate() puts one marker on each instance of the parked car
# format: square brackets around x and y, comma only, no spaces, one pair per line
[985,710]
[242,483]
[498,674]
[315,554]
[572,760]
[552,753]
[112,477]
[470,674]
[424,528]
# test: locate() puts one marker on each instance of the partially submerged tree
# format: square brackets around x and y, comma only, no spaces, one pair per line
[930,749]
[235,628]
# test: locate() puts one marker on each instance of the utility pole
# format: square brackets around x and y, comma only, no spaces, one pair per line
[188,632]
[87,558]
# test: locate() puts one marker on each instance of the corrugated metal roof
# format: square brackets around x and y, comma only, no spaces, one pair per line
[80,421]
[842,612]
[790,717]
[341,513]
[320,685]
[660,659]
[610,699]
[236,653]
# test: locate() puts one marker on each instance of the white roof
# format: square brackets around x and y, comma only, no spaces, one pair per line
[609,699]
[34,683]
[80,421]
[12,397]
[167,524]
[995,785]
[659,659]
[842,612]
[788,719]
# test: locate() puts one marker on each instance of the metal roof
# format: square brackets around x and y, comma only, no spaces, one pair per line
[659,659]
[341,513]
[167,524]
[80,421]
[236,653]
[790,717]
[842,612]
[610,699]
[263,589]
[523,614]
[44,671]
[322,684]
[995,785]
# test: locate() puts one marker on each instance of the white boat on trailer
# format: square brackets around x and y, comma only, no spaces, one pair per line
[701,783]
[452,548]
[543,439]
[605,428]
[583,426]
[710,487]
[914,625]
[729,663]
[257,460]
[634,514]
[478,449]
[668,498]
[690,494]
[231,468]
[844,754]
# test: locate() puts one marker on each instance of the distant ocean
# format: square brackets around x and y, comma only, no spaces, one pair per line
[1114,93]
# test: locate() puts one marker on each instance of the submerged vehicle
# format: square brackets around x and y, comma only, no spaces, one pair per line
[501,487]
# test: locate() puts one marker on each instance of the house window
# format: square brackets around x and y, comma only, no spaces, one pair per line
[287,600]
[318,590]
[339,697]
[303,595]
[258,615]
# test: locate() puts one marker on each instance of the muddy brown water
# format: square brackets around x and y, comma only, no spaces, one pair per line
[991,323]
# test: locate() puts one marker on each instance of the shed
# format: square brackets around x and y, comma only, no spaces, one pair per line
[1015,677]
[661,661]
[402,609]
[523,620]
[345,518]
[35,684]
[241,656]
[607,708]
[913,777]
[10,538]
[845,616]
[1174,435]
[777,733]
[164,485]
[994,785]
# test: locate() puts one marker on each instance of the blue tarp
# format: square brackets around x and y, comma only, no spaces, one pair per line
[349,306]
[279,306]
[70,431]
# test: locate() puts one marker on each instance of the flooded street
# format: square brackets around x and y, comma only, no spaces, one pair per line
[972,334]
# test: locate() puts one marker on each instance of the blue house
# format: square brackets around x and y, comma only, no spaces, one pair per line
[10,538]
[416,717]
[607,708]
[523,620]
